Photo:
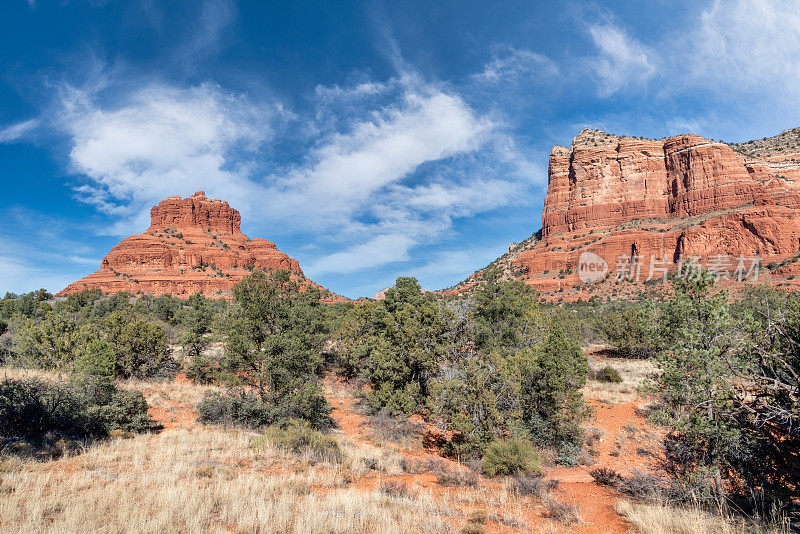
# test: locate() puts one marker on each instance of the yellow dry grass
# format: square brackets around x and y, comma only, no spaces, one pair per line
[658,518]
[633,373]
[200,481]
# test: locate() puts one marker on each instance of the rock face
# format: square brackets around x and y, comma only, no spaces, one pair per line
[630,200]
[193,245]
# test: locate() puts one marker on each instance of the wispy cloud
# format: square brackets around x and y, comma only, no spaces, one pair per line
[511,64]
[751,45]
[215,17]
[160,140]
[622,61]
[729,48]
[345,172]
[383,249]
[399,175]
[17,131]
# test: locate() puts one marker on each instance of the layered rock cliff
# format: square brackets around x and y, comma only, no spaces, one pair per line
[654,203]
[193,245]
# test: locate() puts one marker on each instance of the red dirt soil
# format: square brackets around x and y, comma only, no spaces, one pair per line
[596,503]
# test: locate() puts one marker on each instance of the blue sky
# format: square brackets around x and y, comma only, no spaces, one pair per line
[369,140]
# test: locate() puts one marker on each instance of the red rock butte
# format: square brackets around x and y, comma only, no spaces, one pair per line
[684,196]
[193,245]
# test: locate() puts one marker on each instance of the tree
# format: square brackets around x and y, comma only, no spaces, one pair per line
[140,346]
[273,344]
[552,376]
[694,387]
[400,345]
[768,393]
[49,343]
[501,309]
[42,294]
[477,398]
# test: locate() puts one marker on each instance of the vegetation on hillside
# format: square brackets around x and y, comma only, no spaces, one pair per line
[498,372]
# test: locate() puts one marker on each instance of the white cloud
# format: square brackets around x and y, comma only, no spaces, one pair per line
[398,179]
[747,44]
[401,160]
[511,64]
[160,141]
[387,248]
[343,175]
[17,131]
[622,61]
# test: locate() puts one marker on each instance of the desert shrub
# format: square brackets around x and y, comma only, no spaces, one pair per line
[605,476]
[249,410]
[124,411]
[478,398]
[569,454]
[632,332]
[397,490]
[608,374]
[299,438]
[97,359]
[416,467]
[243,409]
[48,342]
[532,486]
[562,511]
[140,346]
[476,523]
[457,477]
[35,410]
[511,457]
[166,308]
[395,429]
[201,370]
[86,298]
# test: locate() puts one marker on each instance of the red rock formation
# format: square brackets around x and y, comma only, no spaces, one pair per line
[625,198]
[193,245]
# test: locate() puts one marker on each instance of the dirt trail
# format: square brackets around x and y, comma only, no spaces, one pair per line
[596,503]
[625,439]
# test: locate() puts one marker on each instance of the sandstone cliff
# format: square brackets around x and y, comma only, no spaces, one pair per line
[657,202]
[193,245]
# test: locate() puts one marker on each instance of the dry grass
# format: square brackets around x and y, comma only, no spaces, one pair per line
[633,373]
[17,373]
[201,481]
[658,518]
[186,392]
